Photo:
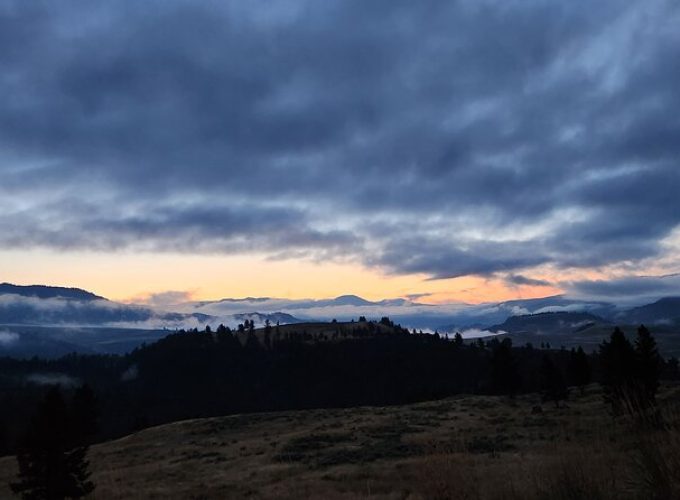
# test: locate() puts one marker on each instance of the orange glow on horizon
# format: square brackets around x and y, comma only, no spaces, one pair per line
[131,277]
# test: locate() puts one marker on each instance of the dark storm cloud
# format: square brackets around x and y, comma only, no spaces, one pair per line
[631,288]
[416,296]
[518,279]
[171,228]
[378,131]
[442,261]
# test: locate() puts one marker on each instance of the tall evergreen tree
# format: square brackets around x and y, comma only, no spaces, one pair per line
[617,362]
[52,466]
[4,444]
[672,369]
[579,368]
[85,415]
[552,382]
[268,334]
[222,334]
[252,345]
[221,330]
[228,339]
[648,366]
[505,378]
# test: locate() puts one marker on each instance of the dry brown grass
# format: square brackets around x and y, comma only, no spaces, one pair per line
[476,448]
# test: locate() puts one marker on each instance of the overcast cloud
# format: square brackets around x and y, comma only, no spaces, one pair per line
[437,137]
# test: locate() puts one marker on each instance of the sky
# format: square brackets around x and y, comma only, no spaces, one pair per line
[450,150]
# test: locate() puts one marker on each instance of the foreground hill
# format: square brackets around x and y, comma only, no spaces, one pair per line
[288,367]
[202,374]
[480,447]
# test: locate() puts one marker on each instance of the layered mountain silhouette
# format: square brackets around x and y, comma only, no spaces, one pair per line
[56,306]
[63,306]
[63,314]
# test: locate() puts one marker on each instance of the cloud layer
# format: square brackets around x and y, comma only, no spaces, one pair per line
[444,138]
[634,289]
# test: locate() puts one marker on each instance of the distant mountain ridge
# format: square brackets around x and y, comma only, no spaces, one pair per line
[549,323]
[39,319]
[341,300]
[54,321]
[29,309]
[48,305]
[47,292]
[441,317]
[55,305]
[663,311]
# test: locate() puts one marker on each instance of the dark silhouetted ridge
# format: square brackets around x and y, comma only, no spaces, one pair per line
[48,292]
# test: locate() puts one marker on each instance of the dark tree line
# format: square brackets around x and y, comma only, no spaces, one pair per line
[207,373]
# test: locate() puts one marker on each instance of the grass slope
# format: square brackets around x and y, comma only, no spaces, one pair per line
[477,447]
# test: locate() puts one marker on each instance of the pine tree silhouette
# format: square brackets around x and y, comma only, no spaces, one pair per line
[648,365]
[85,415]
[579,368]
[552,381]
[267,334]
[505,376]
[52,466]
[617,362]
[4,445]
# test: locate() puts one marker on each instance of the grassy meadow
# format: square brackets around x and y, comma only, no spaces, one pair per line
[468,447]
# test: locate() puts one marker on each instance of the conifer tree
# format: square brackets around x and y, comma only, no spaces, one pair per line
[52,465]
[648,365]
[267,334]
[4,445]
[85,415]
[673,369]
[252,344]
[579,368]
[617,362]
[505,377]
[552,382]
